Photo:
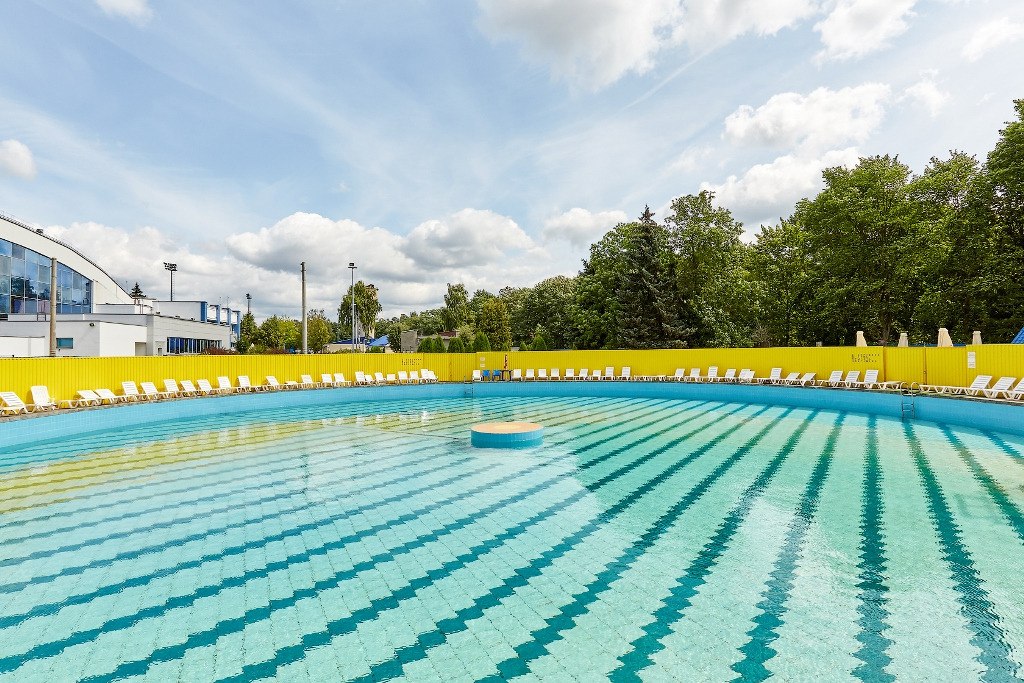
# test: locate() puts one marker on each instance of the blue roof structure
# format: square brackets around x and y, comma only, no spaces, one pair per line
[379,341]
[1019,339]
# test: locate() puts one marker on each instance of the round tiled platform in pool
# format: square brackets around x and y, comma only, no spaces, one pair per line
[506,434]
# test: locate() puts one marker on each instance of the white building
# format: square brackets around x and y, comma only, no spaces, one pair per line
[95,315]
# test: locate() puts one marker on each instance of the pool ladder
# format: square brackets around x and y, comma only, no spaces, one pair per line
[908,405]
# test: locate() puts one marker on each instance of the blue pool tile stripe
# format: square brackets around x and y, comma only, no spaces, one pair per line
[872,570]
[995,491]
[984,623]
[772,607]
[565,619]
[124,622]
[347,624]
[686,586]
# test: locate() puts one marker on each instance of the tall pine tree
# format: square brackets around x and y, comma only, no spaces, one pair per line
[646,315]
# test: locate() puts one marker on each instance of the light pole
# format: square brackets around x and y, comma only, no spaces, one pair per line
[171,267]
[352,294]
[248,303]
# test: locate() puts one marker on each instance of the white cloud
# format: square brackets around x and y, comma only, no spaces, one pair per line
[927,93]
[855,28]
[580,227]
[137,11]
[990,36]
[821,119]
[468,238]
[482,249]
[597,42]
[16,159]
[593,43]
[769,190]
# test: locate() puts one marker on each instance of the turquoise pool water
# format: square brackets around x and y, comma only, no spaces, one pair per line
[648,539]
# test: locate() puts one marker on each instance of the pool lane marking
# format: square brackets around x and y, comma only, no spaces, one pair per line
[775,597]
[349,623]
[52,648]
[163,545]
[994,652]
[873,569]
[686,586]
[326,446]
[107,590]
[516,665]
[212,462]
[169,451]
[1015,452]
[994,489]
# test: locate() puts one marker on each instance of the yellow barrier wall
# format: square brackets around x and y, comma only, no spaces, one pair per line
[65,376]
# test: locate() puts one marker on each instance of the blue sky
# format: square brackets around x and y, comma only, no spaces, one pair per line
[484,141]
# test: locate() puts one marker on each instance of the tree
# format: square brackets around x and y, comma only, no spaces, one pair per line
[319,331]
[367,309]
[547,308]
[494,323]
[538,343]
[481,342]
[426,345]
[248,334]
[278,334]
[455,346]
[476,304]
[647,316]
[136,292]
[456,307]
[778,266]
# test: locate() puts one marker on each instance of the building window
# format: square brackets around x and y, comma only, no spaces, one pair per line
[25,283]
[185,345]
[65,342]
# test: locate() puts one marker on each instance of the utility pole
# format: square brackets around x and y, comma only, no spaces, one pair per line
[53,307]
[248,303]
[305,344]
[352,294]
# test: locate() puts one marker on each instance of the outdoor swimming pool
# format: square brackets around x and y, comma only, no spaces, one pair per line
[648,538]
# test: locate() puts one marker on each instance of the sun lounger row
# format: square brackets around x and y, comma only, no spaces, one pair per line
[554,374]
[423,376]
[1006,388]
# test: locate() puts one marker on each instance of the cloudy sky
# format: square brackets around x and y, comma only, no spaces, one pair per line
[482,141]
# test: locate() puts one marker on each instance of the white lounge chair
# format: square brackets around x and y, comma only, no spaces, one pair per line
[326,379]
[403,377]
[391,378]
[1017,393]
[746,376]
[555,374]
[694,376]
[206,388]
[414,376]
[609,373]
[272,384]
[130,392]
[152,393]
[772,378]
[542,374]
[340,381]
[530,375]
[360,378]
[432,378]
[835,379]
[852,379]
[224,384]
[86,397]
[171,388]
[584,374]
[999,389]
[517,375]
[680,375]
[245,385]
[712,374]
[476,376]
[596,374]
[188,388]
[625,374]
[108,396]
[570,374]
[306,382]
[729,376]
[805,380]
[979,384]
[790,379]
[41,400]
[11,404]
[378,377]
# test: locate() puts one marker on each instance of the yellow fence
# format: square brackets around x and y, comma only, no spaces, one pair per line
[954,366]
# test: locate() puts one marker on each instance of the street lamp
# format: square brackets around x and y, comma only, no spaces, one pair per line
[248,303]
[171,267]
[352,294]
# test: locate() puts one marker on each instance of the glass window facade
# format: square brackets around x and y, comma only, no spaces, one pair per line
[181,345]
[25,283]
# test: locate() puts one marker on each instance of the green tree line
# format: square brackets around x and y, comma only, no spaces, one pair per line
[881,249]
